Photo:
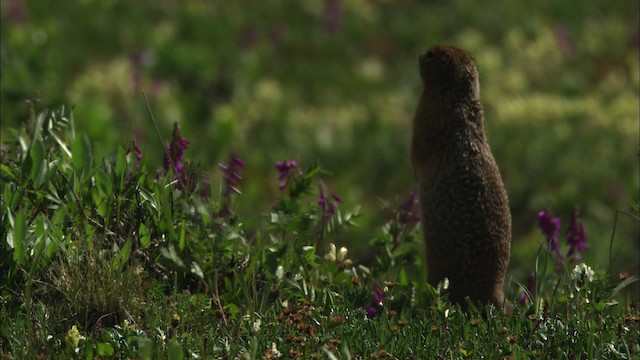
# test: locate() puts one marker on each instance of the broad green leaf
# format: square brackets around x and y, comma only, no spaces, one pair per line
[149,198]
[105,349]
[38,161]
[27,164]
[37,129]
[82,153]
[20,237]
[125,252]
[404,281]
[16,195]
[62,145]
[103,183]
[232,310]
[145,348]
[167,223]
[174,350]
[145,236]
[41,240]
[6,172]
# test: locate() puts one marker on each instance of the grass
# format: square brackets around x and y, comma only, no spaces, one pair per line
[107,258]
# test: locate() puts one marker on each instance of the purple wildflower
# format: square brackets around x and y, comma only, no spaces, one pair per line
[576,236]
[329,206]
[564,39]
[138,153]
[531,287]
[376,301]
[175,152]
[523,299]
[550,226]
[232,179]
[332,15]
[370,310]
[409,213]
[378,294]
[285,168]
[16,11]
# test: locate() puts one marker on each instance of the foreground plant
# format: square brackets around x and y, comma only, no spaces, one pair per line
[106,260]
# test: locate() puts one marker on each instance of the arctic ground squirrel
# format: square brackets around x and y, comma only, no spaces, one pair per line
[465,210]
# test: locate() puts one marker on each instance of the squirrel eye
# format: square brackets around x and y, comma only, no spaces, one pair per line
[429,54]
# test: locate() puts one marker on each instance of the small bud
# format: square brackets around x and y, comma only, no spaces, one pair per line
[175,320]
[342,253]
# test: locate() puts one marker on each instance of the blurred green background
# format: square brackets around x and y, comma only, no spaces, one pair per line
[335,83]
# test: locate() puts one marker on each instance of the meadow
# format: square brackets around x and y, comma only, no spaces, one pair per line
[213,180]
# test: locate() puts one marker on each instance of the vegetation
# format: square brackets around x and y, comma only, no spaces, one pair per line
[241,235]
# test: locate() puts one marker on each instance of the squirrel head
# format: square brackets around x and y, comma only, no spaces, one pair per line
[447,71]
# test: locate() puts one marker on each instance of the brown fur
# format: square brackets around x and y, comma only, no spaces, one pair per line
[465,210]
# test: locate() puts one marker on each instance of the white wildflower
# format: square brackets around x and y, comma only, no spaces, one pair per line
[331,255]
[274,351]
[582,274]
[342,254]
[256,325]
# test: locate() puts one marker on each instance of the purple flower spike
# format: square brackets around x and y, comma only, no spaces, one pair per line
[285,168]
[523,299]
[174,154]
[232,178]
[138,153]
[329,206]
[231,174]
[376,301]
[576,236]
[378,294]
[550,226]
[531,287]
[409,213]
[370,310]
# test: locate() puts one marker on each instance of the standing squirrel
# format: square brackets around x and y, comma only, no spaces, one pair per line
[465,210]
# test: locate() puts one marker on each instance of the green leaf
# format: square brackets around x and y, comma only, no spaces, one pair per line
[623,284]
[62,145]
[145,348]
[41,241]
[182,241]
[6,172]
[148,197]
[37,160]
[15,196]
[20,237]
[121,166]
[196,270]
[105,349]
[123,255]
[171,254]
[145,236]
[82,153]
[37,129]
[174,351]
[231,309]
[404,281]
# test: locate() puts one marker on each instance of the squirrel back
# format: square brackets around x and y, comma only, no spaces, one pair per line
[465,211]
